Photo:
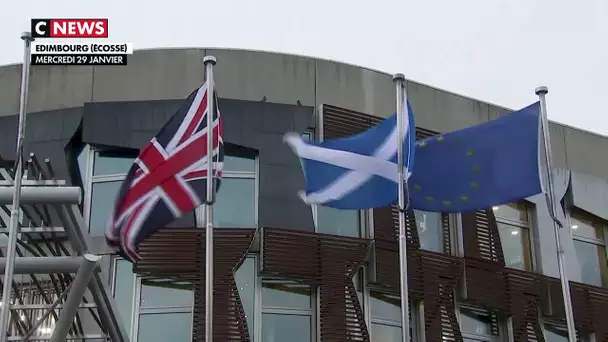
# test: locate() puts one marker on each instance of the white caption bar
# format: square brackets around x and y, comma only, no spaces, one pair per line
[57,48]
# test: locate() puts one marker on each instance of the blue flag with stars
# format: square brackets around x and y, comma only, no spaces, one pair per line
[479,167]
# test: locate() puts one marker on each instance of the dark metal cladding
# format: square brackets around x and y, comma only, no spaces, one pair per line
[179,253]
[326,261]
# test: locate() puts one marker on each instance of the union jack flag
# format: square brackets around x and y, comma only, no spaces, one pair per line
[169,177]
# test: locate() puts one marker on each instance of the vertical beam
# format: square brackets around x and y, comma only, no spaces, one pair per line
[79,287]
[15,213]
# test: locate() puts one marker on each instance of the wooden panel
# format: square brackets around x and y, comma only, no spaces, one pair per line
[329,262]
[180,253]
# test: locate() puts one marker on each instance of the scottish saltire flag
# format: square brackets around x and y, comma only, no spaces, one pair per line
[478,167]
[357,172]
[169,176]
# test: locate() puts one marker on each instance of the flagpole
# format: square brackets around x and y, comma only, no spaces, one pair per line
[542,92]
[399,80]
[209,62]
[18,171]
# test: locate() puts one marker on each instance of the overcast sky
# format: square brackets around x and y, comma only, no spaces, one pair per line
[497,51]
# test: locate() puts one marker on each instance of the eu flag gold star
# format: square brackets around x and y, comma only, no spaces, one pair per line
[430,198]
[447,203]
[464,197]
[474,185]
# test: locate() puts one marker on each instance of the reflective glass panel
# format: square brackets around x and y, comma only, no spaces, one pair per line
[385,333]
[239,164]
[283,328]
[338,222]
[430,230]
[124,291]
[165,295]
[554,335]
[110,163]
[235,204]
[245,278]
[513,211]
[163,327]
[385,307]
[592,260]
[585,226]
[474,323]
[291,296]
[515,243]
[103,196]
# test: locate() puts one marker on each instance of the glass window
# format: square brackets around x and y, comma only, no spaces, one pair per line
[281,295]
[338,222]
[245,278]
[385,333]
[113,163]
[235,204]
[590,246]
[517,211]
[385,307]
[239,164]
[164,295]
[281,327]
[124,281]
[430,230]
[558,334]
[475,322]
[163,327]
[237,194]
[161,304]
[592,261]
[476,325]
[514,230]
[514,241]
[385,315]
[103,197]
[287,312]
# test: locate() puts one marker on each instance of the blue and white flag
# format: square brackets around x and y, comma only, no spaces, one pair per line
[358,172]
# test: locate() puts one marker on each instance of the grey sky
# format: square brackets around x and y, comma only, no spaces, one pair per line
[494,50]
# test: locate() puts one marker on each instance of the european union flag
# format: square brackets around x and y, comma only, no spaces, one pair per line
[478,167]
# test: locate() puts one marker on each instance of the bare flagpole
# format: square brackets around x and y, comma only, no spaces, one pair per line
[399,80]
[542,92]
[209,62]
[14,221]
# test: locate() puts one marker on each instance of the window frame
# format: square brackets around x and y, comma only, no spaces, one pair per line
[89,180]
[136,309]
[260,309]
[502,329]
[416,315]
[199,212]
[441,231]
[597,242]
[528,226]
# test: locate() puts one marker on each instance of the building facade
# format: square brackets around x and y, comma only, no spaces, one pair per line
[285,271]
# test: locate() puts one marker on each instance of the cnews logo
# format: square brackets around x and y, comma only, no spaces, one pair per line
[69,28]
